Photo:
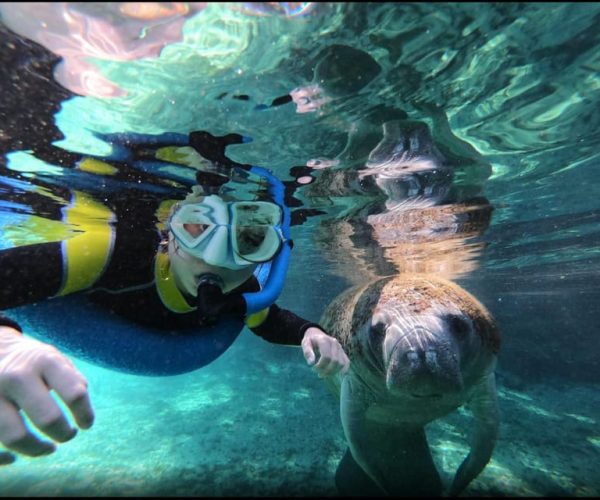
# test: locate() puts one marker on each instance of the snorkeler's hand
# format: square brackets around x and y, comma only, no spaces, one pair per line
[324,353]
[29,371]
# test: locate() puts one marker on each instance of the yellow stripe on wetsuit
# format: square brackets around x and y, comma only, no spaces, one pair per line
[170,295]
[257,318]
[85,255]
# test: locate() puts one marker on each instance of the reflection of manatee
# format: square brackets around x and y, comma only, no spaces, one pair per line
[406,164]
[401,210]
[420,347]
[407,239]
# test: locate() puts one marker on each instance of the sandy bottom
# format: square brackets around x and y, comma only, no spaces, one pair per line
[259,422]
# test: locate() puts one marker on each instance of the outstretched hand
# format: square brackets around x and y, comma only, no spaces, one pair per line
[324,353]
[29,371]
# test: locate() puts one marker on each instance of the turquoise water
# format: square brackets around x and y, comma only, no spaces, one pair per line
[509,93]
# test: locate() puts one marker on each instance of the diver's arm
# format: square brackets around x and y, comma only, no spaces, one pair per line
[7,322]
[282,327]
[30,370]
[321,351]
[274,324]
[30,273]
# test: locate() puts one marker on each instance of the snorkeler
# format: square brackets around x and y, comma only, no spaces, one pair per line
[193,279]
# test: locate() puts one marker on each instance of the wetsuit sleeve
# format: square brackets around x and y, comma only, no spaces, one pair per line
[283,327]
[280,326]
[4,321]
[30,273]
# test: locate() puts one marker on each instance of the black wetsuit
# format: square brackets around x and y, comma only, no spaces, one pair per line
[126,287]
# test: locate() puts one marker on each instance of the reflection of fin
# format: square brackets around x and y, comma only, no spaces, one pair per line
[125,145]
[94,166]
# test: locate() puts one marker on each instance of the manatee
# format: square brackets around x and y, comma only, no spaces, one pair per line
[420,347]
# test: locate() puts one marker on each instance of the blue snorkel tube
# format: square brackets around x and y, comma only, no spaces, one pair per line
[258,301]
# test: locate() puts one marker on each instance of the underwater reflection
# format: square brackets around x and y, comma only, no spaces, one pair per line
[404,210]
[83,32]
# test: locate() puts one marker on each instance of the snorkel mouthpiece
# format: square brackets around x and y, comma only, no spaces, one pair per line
[210,279]
[211,302]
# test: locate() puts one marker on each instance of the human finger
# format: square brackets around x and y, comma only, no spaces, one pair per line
[32,395]
[72,387]
[15,436]
[333,359]
[325,364]
[6,458]
[309,352]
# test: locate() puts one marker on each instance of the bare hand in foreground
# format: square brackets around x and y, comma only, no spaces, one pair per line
[29,371]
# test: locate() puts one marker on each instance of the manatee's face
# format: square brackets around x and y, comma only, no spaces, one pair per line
[420,353]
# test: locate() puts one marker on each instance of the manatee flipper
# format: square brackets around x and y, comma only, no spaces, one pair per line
[396,458]
[354,403]
[352,481]
[484,406]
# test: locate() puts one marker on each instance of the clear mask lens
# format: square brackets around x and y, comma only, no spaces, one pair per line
[232,235]
[254,227]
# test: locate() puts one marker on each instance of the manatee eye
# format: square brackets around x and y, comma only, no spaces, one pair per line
[459,326]
[377,331]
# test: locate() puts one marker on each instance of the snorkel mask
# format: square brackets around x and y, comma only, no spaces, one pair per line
[236,235]
[233,235]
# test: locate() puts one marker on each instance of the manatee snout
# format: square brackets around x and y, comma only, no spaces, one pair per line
[422,362]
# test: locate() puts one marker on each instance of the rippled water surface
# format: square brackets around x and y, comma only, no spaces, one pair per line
[457,139]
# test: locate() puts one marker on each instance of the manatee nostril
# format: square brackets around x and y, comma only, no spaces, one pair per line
[431,357]
[412,356]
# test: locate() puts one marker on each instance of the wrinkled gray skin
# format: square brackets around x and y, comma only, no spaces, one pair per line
[420,347]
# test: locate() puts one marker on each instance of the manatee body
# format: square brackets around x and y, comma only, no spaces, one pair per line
[420,347]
